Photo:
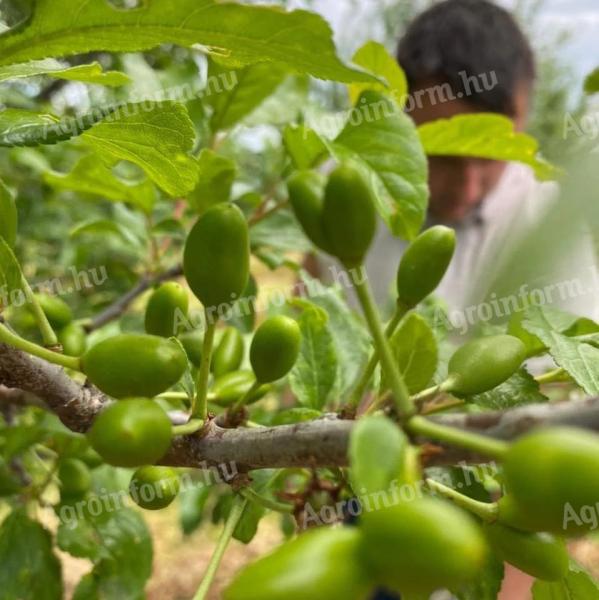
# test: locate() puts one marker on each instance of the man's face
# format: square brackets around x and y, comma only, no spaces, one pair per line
[457,184]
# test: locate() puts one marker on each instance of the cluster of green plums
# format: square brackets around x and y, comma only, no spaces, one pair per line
[135,368]
[416,547]
[411,547]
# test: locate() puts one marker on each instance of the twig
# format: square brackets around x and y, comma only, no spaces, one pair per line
[119,306]
[237,509]
[373,361]
[261,215]
[199,406]
[249,494]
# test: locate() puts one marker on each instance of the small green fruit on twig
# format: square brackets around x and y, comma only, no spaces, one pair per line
[153,487]
[275,348]
[167,303]
[348,215]
[551,478]
[228,354]
[134,365]
[539,554]
[424,264]
[483,364]
[131,433]
[216,259]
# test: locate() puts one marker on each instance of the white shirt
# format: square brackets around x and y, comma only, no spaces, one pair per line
[523,235]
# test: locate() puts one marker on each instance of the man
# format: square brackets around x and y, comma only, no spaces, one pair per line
[470,56]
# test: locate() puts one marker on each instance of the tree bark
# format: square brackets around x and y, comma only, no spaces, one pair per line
[319,443]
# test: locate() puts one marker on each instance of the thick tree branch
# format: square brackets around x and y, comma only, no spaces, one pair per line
[76,405]
[309,444]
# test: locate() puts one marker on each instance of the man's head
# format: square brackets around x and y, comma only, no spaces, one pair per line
[465,56]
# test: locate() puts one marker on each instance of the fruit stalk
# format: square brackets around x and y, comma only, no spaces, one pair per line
[188,428]
[200,403]
[555,376]
[237,509]
[373,361]
[458,437]
[241,402]
[426,394]
[250,494]
[48,334]
[69,362]
[487,511]
[400,392]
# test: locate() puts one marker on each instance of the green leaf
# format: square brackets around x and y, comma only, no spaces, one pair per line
[280,231]
[386,142]
[313,377]
[76,534]
[11,276]
[222,507]
[91,176]
[579,359]
[284,105]
[191,506]
[375,58]
[271,258]
[468,479]
[521,388]
[91,73]
[487,584]
[352,341]
[9,484]
[550,318]
[158,138]
[29,567]
[20,127]
[18,438]
[484,135]
[121,551]
[303,145]
[295,415]
[582,327]
[240,34]
[251,86]
[591,83]
[532,343]
[103,227]
[247,527]
[576,585]
[415,350]
[8,215]
[169,227]
[376,451]
[216,176]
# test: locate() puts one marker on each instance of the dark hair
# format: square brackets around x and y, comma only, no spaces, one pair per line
[468,37]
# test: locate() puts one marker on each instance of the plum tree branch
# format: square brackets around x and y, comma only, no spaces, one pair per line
[75,404]
[317,443]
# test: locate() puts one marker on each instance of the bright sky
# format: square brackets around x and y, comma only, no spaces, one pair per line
[354,23]
[581,17]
